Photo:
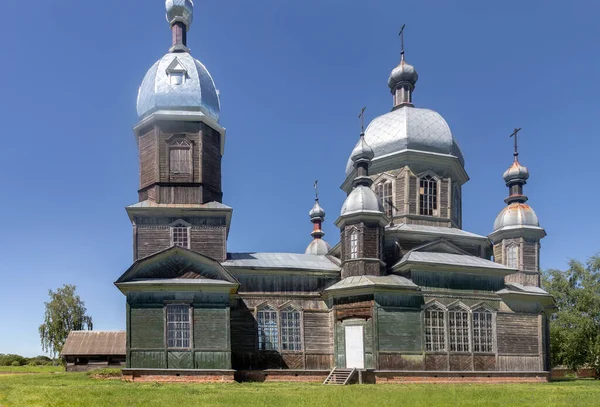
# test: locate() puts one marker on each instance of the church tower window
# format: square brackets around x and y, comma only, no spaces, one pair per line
[268,331]
[290,329]
[428,196]
[483,330]
[458,325]
[180,234]
[354,244]
[178,326]
[435,329]
[384,192]
[512,256]
[180,157]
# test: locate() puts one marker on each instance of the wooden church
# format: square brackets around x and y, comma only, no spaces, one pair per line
[406,294]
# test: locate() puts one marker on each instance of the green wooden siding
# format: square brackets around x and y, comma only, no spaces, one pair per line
[213,360]
[180,360]
[399,330]
[211,329]
[148,359]
[340,345]
[147,328]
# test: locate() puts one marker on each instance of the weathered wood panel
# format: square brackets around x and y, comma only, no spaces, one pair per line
[210,148]
[147,328]
[436,362]
[148,359]
[530,262]
[171,194]
[519,363]
[210,241]
[147,152]
[293,360]
[180,360]
[152,239]
[412,194]
[498,253]
[400,195]
[461,363]
[212,360]
[486,363]
[517,333]
[444,198]
[458,281]
[399,330]
[318,362]
[317,332]
[211,329]
[397,361]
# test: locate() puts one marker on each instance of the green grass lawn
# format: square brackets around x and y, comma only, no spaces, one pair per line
[78,389]
[31,369]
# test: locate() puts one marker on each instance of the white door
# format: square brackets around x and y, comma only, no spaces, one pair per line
[355,351]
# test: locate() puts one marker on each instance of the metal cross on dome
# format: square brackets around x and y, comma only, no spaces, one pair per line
[401,34]
[316,186]
[515,133]
[361,116]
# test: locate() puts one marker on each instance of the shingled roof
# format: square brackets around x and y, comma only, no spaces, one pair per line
[94,343]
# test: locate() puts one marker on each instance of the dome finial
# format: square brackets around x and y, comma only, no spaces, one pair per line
[516,176]
[402,42]
[403,78]
[515,134]
[317,217]
[180,14]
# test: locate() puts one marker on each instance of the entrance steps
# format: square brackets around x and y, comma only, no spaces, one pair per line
[340,377]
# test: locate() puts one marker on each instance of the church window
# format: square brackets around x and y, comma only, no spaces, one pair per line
[384,192]
[512,256]
[458,325]
[483,330]
[456,205]
[178,326]
[435,329]
[428,196]
[268,331]
[180,157]
[354,244]
[290,329]
[180,236]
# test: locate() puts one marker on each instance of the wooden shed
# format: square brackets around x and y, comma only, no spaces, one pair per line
[89,350]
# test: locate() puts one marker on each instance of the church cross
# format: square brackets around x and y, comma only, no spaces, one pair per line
[316,186]
[401,34]
[361,116]
[515,134]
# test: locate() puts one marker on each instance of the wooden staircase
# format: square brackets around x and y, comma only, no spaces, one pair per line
[340,377]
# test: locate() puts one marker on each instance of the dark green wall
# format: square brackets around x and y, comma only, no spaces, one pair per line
[399,330]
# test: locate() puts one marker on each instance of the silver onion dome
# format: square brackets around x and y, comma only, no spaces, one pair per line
[317,211]
[516,172]
[409,128]
[178,82]
[180,11]
[362,150]
[318,247]
[403,73]
[362,199]
[515,215]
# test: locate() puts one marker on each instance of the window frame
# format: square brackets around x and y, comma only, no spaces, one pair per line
[380,189]
[431,204]
[190,328]
[509,248]
[275,345]
[482,309]
[180,224]
[438,309]
[453,337]
[180,142]
[290,309]
[354,244]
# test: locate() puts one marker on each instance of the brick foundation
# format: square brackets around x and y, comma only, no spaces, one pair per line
[178,376]
[455,377]
[276,375]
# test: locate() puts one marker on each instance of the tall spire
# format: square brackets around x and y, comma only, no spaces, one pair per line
[180,14]
[403,78]
[317,217]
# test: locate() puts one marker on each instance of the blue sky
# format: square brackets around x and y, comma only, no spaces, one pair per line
[293,76]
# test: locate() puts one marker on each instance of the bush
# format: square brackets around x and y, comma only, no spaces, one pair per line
[40,361]
[15,363]
[9,359]
[105,373]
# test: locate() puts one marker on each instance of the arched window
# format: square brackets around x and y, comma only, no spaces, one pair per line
[354,244]
[290,329]
[458,325]
[428,196]
[512,256]
[180,234]
[384,192]
[483,330]
[268,332]
[180,157]
[435,329]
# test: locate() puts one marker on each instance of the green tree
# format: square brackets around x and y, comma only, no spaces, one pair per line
[65,312]
[575,327]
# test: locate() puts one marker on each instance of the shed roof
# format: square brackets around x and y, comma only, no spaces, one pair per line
[93,343]
[435,230]
[391,281]
[448,259]
[281,261]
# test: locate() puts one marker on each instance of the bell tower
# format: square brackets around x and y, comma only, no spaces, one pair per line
[181,144]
